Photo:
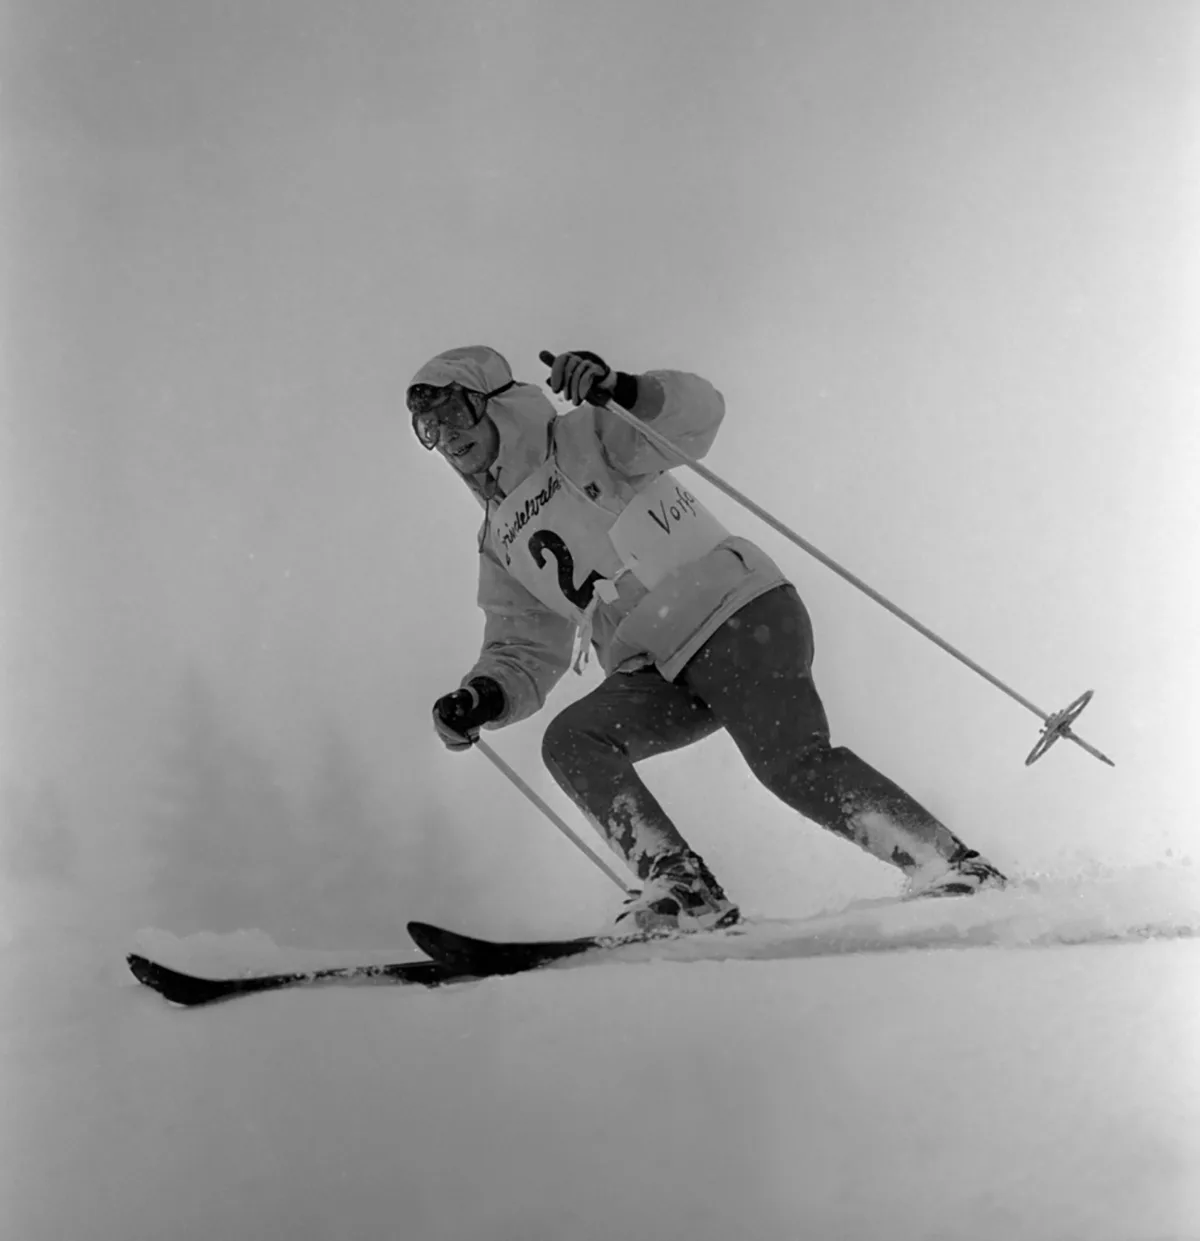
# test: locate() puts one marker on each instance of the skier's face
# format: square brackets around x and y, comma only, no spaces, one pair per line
[471,451]
[453,420]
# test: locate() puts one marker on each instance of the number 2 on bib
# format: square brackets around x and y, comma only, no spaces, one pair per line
[548,541]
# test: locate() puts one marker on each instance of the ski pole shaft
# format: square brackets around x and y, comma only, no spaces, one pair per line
[815,552]
[1056,725]
[549,812]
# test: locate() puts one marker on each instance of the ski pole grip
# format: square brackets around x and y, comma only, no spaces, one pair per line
[606,402]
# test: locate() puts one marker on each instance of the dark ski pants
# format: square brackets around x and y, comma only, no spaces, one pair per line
[753,678]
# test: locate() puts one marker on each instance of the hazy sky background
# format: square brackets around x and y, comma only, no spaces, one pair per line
[943,260]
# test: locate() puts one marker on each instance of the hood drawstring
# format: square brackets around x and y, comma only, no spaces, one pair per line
[604,589]
[487,491]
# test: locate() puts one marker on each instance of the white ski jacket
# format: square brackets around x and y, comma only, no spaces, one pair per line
[587,535]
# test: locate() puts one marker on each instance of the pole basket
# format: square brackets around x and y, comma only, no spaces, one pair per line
[1059,725]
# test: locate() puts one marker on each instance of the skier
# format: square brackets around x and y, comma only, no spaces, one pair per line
[589,541]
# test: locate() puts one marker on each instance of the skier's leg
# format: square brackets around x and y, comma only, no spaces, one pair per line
[756,674]
[590,749]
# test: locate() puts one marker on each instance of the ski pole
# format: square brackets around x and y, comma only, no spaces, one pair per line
[1055,725]
[549,812]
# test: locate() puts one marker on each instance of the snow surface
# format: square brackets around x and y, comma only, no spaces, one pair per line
[997,1092]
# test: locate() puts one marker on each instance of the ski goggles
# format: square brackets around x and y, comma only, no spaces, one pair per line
[436,409]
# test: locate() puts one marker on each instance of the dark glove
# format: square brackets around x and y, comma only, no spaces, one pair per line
[582,376]
[459,716]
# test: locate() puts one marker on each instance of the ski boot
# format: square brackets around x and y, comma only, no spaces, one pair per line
[965,874]
[680,895]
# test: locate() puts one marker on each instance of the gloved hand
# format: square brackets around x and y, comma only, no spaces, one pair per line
[458,717]
[582,376]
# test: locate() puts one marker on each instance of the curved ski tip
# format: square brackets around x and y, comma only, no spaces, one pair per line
[151,974]
[428,930]
[142,968]
[182,989]
[418,931]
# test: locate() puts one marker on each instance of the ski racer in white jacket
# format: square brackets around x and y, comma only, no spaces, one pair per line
[590,541]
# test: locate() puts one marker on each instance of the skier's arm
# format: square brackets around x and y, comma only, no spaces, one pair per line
[681,407]
[526,647]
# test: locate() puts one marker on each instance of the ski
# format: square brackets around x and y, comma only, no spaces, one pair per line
[486,958]
[190,990]
[857,928]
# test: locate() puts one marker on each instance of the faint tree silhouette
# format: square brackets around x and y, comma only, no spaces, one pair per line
[350,890]
[443,862]
[220,829]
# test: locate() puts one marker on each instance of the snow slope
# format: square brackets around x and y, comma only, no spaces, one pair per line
[999,1092]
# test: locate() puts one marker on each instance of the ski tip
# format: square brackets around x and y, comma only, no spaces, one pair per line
[461,953]
[137,963]
[175,987]
[157,977]
[423,934]
[143,969]
[150,974]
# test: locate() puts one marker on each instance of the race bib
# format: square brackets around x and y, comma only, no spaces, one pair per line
[663,528]
[554,541]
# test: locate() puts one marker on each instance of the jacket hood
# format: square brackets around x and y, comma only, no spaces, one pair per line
[523,413]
